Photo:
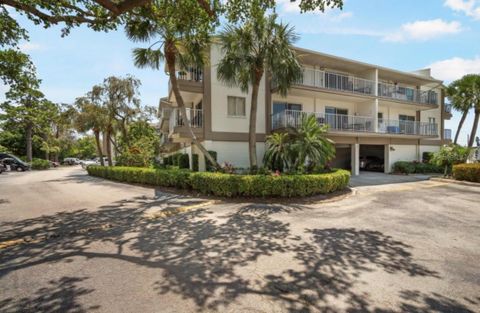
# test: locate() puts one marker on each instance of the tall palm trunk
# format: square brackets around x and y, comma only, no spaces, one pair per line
[471,140]
[170,52]
[99,146]
[109,147]
[252,129]
[28,139]
[460,125]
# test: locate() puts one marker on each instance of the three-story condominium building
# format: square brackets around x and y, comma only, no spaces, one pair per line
[371,111]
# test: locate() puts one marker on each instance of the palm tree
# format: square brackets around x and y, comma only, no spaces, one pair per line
[179,41]
[473,81]
[277,154]
[260,45]
[456,93]
[311,144]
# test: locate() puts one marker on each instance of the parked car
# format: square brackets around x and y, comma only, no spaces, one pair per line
[71,161]
[86,163]
[2,168]
[372,163]
[15,164]
[54,164]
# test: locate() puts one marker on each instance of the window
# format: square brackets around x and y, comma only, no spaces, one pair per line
[236,106]
[279,107]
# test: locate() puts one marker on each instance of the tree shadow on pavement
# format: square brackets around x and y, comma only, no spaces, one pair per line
[211,259]
[59,296]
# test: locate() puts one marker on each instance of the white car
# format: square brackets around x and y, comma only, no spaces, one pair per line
[86,163]
[71,161]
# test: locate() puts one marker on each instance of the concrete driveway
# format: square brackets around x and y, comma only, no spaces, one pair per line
[72,243]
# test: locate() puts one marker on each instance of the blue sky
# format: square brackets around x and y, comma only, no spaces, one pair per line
[405,35]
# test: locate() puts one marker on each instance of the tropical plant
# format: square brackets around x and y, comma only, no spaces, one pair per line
[449,155]
[301,149]
[259,45]
[181,36]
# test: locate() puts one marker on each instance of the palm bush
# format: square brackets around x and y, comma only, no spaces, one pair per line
[450,155]
[301,149]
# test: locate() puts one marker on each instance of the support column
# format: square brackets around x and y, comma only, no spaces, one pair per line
[355,158]
[375,115]
[386,158]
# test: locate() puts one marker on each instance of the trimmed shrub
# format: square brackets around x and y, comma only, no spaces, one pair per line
[468,172]
[404,167]
[427,156]
[175,158]
[229,185]
[183,161]
[195,162]
[40,164]
[208,164]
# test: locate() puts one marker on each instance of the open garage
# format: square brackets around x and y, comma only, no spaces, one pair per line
[372,158]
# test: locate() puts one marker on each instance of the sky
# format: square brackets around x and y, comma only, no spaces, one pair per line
[406,35]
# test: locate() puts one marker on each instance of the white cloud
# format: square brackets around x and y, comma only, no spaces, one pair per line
[424,30]
[468,7]
[455,68]
[30,46]
[285,7]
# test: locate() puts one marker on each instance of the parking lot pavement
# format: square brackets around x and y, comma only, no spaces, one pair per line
[69,242]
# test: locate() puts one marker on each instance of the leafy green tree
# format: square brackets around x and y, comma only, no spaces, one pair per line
[259,45]
[85,147]
[278,153]
[144,142]
[92,115]
[449,155]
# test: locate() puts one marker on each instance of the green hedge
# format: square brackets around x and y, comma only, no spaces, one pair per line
[208,164]
[183,161]
[468,172]
[40,164]
[229,185]
[195,162]
[406,167]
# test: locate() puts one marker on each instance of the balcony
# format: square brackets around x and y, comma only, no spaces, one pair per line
[447,134]
[194,115]
[336,122]
[194,74]
[355,124]
[338,82]
[407,127]
[190,81]
[407,94]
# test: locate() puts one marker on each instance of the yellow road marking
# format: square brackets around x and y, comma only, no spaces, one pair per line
[173,211]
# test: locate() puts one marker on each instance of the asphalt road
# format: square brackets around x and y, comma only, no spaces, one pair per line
[72,243]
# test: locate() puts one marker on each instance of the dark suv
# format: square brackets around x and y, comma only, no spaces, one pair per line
[15,163]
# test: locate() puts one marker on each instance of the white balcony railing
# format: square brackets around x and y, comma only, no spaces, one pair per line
[329,80]
[354,123]
[191,74]
[407,94]
[407,127]
[447,134]
[195,116]
[337,122]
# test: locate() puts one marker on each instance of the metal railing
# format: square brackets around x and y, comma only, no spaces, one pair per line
[447,134]
[447,108]
[191,74]
[407,127]
[195,116]
[329,80]
[407,94]
[337,122]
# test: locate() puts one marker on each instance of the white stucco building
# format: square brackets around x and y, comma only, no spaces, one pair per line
[370,110]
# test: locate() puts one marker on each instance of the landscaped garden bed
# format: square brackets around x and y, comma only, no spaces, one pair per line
[229,185]
[469,172]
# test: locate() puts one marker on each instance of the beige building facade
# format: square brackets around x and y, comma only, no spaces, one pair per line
[371,111]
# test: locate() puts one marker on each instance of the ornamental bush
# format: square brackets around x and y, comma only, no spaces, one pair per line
[229,185]
[40,164]
[407,167]
[183,161]
[468,172]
